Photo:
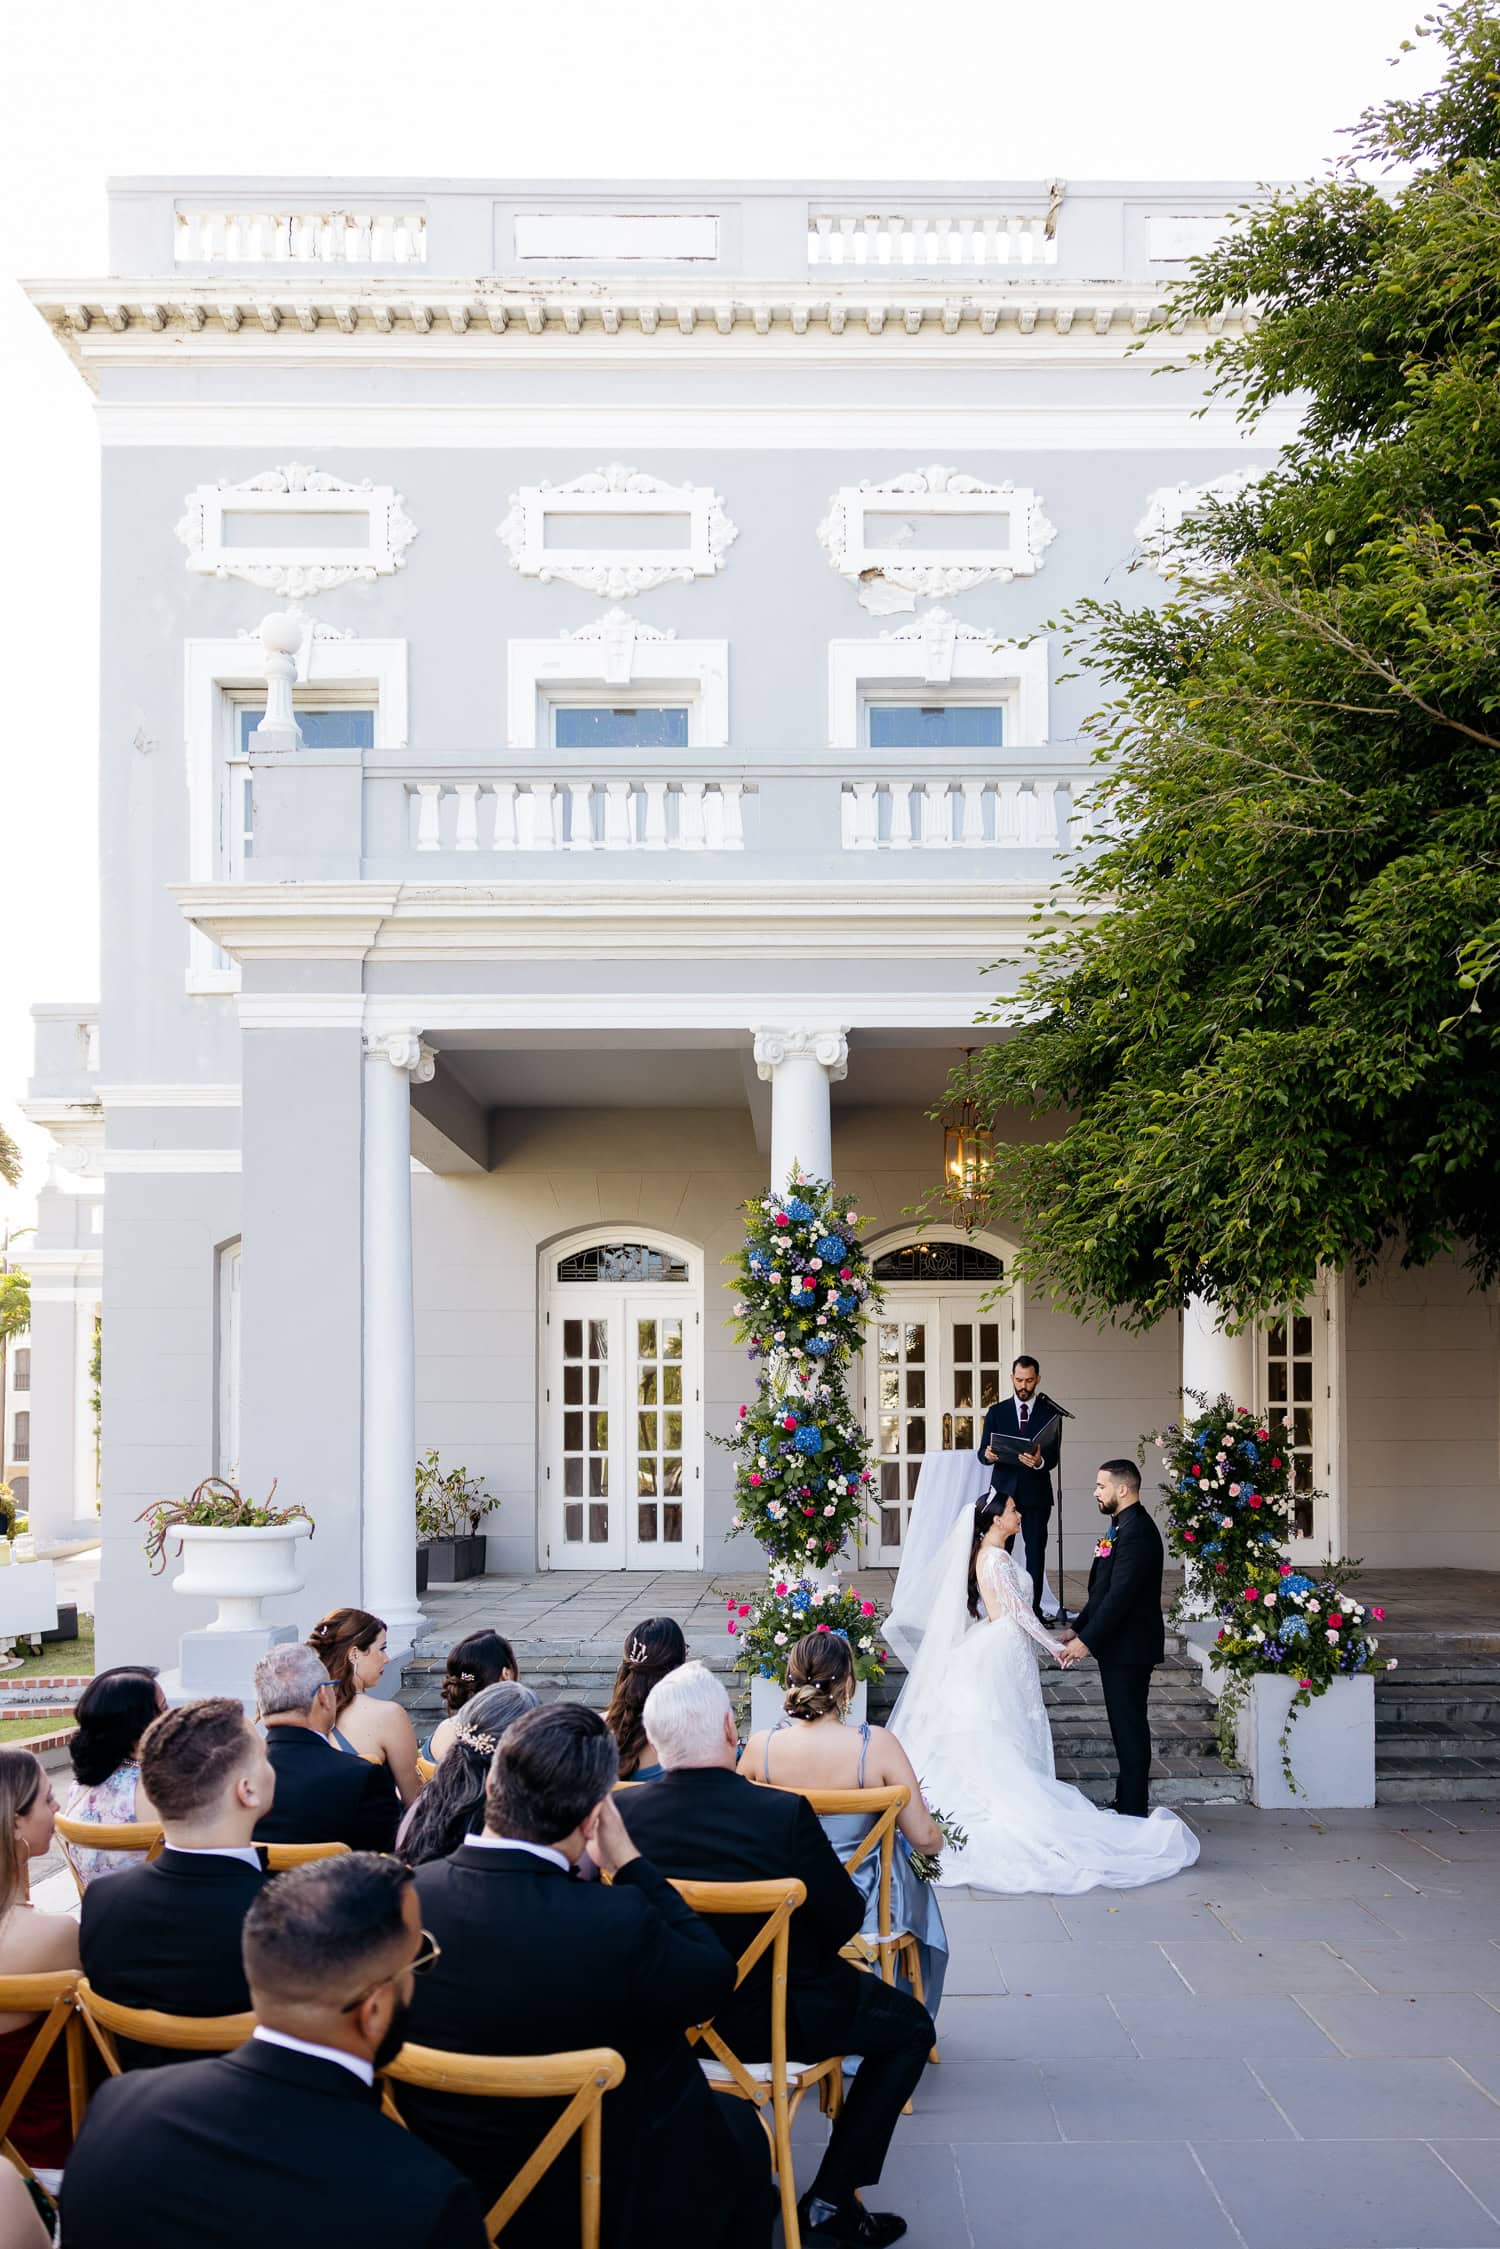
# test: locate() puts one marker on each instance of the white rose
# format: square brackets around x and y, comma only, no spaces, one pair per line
[780,1640]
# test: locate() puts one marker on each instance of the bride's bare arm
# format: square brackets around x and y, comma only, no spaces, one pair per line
[895,1769]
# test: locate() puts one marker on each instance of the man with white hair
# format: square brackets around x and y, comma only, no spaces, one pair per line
[701,1822]
[323,1794]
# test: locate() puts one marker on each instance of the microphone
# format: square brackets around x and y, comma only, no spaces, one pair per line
[1065,1411]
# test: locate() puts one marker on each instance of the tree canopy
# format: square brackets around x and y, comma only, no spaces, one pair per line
[1264,1005]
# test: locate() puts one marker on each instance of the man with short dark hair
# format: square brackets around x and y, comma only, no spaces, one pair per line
[166,1933]
[1120,1625]
[536,1963]
[283,2141]
[1027,1479]
[323,1794]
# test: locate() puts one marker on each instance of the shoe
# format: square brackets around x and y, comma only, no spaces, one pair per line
[849,2227]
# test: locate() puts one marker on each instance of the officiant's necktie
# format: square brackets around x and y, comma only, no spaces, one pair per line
[1023,1411]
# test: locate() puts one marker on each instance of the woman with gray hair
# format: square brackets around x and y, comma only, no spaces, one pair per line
[453,1801]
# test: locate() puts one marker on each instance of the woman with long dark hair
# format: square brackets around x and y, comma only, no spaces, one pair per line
[651,1651]
[31,1943]
[113,1712]
[351,1644]
[481,1659]
[452,1803]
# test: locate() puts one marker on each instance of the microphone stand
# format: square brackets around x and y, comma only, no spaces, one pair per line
[1062,1617]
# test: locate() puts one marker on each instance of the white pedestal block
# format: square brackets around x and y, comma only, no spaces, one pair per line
[221,1663]
[1332,1744]
[767,1697]
[28,1599]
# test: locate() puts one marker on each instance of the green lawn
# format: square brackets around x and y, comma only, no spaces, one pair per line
[27,1729]
[60,1659]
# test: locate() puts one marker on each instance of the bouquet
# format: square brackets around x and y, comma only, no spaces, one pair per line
[927,1865]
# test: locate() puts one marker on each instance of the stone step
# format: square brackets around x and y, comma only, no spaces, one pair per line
[1411,1744]
[1475,1783]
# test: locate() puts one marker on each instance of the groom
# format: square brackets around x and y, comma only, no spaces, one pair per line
[1120,1624]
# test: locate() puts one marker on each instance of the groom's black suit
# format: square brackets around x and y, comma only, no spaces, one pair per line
[1031,1488]
[1121,1626]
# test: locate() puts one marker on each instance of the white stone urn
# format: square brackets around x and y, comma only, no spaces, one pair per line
[240,1566]
[1331,1744]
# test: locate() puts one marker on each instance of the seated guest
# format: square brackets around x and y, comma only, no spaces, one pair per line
[21,2222]
[702,1822]
[31,1943]
[350,1645]
[113,1712]
[166,1932]
[651,1651]
[533,1963]
[284,2139]
[321,1796]
[481,1660]
[815,1749]
[453,1801]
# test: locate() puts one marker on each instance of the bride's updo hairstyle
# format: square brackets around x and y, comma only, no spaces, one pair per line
[818,1672]
[984,1514]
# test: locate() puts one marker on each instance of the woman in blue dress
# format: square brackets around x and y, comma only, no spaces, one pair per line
[813,1747]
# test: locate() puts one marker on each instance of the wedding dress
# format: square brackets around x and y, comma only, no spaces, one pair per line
[973,1722]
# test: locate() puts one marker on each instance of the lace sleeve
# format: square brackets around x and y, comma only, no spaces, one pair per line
[1007,1594]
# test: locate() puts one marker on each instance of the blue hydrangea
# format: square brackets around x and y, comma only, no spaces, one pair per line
[1214,1546]
[800,1213]
[830,1248]
[1296,1584]
[808,1439]
[1294,1628]
[1251,1452]
[819,1346]
[848,1303]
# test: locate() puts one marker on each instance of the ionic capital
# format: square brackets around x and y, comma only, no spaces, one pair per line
[404,1050]
[827,1044]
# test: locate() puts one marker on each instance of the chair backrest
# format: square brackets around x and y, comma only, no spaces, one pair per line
[51,1995]
[106,2021]
[885,1805]
[279,1856]
[773,1903]
[426,1767]
[90,1835]
[581,2079]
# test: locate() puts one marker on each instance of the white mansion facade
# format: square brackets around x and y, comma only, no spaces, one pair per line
[579,719]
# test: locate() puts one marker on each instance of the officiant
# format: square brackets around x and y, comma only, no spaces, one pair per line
[1027,1478]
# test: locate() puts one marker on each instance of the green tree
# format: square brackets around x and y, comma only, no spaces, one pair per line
[15,1305]
[1264,1007]
[10,1160]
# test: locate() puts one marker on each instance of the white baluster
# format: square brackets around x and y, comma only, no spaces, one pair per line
[526,820]
[713,820]
[866,816]
[1018,240]
[690,816]
[361,245]
[900,241]
[549,816]
[990,252]
[466,831]
[429,816]
[1078,818]
[847,231]
[619,821]
[1008,814]
[900,815]
[966,242]
[656,816]
[581,821]
[505,815]
[821,244]
[731,797]
[1044,814]
[935,830]
[971,828]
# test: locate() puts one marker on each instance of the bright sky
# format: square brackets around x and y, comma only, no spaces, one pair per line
[1101,89]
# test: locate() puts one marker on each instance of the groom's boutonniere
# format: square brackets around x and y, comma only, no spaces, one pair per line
[1104,1549]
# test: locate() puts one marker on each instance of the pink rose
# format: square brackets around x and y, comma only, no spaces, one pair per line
[732,1625]
[867,1608]
[1255,1500]
[1378,1615]
[789,1421]
[1335,1621]
[1251,1594]
[1275,1460]
[1304,1684]
[844,1273]
[781,1589]
[822,1628]
[743,1411]
[1286,1569]
[1191,1537]
[754,1478]
[782,1219]
[744,1608]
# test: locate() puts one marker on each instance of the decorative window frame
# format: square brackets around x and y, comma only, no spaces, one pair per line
[934,491]
[1169,507]
[296,490]
[618,574]
[937,650]
[216,675]
[617,652]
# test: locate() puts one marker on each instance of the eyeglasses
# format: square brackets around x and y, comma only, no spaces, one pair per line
[431,1951]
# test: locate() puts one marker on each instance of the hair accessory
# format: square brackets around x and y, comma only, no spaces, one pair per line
[636,1652]
[484,1743]
[466,1676]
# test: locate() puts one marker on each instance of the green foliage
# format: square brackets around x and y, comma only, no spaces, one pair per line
[451,1504]
[15,1305]
[1227,1500]
[10,1160]
[1265,1006]
[768,1626]
[212,1505]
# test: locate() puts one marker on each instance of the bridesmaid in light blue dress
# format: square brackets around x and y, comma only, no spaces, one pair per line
[815,1749]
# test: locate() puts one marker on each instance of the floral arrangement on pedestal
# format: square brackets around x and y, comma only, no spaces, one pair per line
[802,1474]
[1228,1503]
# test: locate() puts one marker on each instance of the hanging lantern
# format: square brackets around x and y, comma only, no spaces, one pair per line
[968,1156]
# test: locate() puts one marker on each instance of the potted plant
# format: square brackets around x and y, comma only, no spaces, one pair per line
[235,1550]
[766,1627]
[451,1505]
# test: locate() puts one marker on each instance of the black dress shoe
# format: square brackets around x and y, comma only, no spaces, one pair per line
[848,2225]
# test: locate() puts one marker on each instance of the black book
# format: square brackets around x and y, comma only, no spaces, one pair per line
[1011,1448]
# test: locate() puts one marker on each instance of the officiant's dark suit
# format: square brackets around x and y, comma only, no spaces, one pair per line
[536,1962]
[262,2146]
[706,1824]
[167,1935]
[1030,1487]
[1121,1626]
[327,1795]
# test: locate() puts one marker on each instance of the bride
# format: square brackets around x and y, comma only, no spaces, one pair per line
[973,1722]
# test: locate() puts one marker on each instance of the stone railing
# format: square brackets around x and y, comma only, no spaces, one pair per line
[1027,813]
[577,815]
[219,234]
[972,241]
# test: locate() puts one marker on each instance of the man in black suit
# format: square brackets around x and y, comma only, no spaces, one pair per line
[1120,1625]
[166,1933]
[323,1794]
[1029,1480]
[283,2141]
[702,1822]
[536,1963]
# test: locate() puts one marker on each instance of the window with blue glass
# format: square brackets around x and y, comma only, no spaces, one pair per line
[339,729]
[936,726]
[600,726]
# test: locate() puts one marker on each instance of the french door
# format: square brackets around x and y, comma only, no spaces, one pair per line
[623,1424]
[1297,1371]
[934,1364]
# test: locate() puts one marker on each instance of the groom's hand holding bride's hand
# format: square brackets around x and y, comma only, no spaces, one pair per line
[1071,1652]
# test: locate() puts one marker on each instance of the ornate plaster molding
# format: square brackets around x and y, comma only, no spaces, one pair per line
[1169,507]
[938,634]
[616,574]
[886,574]
[827,1044]
[405,1050]
[295,490]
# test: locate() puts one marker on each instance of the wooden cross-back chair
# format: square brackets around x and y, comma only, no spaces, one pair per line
[581,2079]
[51,1994]
[279,1856]
[105,2020]
[426,1767]
[89,1835]
[779,2084]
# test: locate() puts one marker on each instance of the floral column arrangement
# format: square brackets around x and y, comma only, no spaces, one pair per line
[802,1474]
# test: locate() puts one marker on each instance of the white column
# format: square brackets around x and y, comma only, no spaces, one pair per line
[1213,1363]
[801,1064]
[389,1520]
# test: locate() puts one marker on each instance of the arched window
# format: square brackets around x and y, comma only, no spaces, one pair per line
[622,1262]
[939,1261]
